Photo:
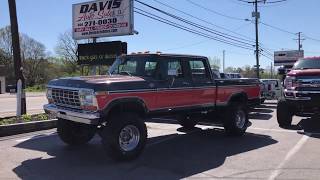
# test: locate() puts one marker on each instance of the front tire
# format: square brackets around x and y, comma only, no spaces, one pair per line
[284,113]
[73,133]
[236,120]
[124,136]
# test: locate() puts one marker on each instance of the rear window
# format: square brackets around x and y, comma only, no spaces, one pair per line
[307,64]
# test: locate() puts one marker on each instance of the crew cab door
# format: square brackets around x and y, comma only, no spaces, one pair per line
[174,91]
[204,92]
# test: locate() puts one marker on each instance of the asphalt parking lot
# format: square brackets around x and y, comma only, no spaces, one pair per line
[265,152]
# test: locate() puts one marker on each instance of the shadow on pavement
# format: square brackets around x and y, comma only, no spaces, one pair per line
[308,126]
[261,112]
[172,156]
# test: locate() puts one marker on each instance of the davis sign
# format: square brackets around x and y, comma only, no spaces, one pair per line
[102,18]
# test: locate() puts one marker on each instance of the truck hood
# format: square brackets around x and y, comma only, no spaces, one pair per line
[99,83]
[304,72]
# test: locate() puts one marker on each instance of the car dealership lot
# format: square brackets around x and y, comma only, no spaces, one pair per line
[265,152]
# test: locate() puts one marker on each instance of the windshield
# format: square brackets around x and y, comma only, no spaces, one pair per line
[134,66]
[307,64]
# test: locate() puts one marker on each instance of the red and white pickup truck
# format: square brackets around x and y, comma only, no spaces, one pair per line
[143,86]
[302,91]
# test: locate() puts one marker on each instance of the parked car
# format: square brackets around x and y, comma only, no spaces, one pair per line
[215,73]
[272,89]
[230,75]
[141,87]
[302,91]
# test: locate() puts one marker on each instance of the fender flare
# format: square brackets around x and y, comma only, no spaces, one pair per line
[125,100]
[238,95]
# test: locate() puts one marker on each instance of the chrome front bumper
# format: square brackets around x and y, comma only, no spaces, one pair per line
[300,95]
[80,117]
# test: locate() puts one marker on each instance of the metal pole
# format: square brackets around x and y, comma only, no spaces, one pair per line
[299,40]
[19,93]
[223,60]
[94,68]
[271,71]
[16,52]
[257,37]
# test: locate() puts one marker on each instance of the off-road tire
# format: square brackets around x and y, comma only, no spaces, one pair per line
[73,133]
[111,135]
[284,113]
[234,126]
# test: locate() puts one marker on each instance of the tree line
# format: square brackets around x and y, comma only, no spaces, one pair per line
[39,66]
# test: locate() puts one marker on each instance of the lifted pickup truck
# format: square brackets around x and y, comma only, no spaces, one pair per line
[302,91]
[143,86]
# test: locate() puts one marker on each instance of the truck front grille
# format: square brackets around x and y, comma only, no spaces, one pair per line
[66,98]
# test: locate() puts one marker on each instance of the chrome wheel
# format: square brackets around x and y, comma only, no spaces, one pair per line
[129,138]
[240,119]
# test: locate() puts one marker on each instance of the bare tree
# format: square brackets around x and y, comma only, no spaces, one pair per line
[33,54]
[214,62]
[67,49]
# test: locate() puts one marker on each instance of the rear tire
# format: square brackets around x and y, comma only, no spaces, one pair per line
[236,119]
[73,133]
[124,136]
[284,113]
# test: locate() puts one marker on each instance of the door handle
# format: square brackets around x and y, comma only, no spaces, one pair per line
[185,83]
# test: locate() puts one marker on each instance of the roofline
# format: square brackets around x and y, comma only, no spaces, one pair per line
[166,54]
[311,58]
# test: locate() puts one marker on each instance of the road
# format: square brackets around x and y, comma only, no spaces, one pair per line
[265,152]
[8,104]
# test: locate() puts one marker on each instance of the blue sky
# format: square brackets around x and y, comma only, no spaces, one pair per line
[45,20]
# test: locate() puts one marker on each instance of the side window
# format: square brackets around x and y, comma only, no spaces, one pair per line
[176,65]
[198,70]
[150,68]
[128,66]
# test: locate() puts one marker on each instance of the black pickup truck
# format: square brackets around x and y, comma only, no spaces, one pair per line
[144,86]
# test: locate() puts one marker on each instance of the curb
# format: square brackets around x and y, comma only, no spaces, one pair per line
[13,129]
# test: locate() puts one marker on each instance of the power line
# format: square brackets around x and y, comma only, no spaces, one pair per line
[205,21]
[215,12]
[277,28]
[165,21]
[215,32]
[314,39]
[218,33]
[186,46]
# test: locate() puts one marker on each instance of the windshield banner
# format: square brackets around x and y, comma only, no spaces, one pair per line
[102,18]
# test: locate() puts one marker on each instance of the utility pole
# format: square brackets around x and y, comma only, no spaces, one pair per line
[257,16]
[16,53]
[271,71]
[299,40]
[223,60]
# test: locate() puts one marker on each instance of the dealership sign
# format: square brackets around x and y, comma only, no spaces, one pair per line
[287,58]
[102,18]
[103,53]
